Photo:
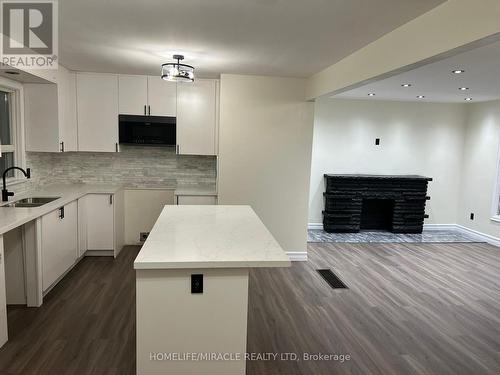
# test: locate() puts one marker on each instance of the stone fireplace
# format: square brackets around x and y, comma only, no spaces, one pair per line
[375,202]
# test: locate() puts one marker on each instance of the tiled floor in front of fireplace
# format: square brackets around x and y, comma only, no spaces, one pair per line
[319,235]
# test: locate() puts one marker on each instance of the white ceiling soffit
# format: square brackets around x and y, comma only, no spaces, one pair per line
[436,81]
[295,38]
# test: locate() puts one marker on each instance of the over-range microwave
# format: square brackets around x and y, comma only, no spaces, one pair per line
[147,130]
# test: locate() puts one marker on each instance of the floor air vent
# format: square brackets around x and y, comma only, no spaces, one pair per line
[332,279]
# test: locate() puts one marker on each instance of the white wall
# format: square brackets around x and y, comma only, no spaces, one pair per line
[416,138]
[265,152]
[482,140]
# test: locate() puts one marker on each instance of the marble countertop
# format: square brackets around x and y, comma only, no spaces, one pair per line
[12,217]
[210,237]
[195,190]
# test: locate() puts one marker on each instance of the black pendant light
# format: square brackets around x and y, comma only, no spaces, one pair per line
[177,72]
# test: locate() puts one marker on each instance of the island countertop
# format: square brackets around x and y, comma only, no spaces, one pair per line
[210,237]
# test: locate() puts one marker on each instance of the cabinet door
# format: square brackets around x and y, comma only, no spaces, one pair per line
[3,299]
[100,221]
[196,118]
[133,95]
[97,106]
[59,243]
[162,97]
[82,226]
[41,117]
[66,91]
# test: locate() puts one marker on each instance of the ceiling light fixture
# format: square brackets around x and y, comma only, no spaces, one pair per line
[458,71]
[463,88]
[468,99]
[421,97]
[177,72]
[371,94]
[406,85]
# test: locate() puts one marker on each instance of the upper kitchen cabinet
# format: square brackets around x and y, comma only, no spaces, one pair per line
[197,117]
[50,114]
[133,95]
[162,97]
[143,95]
[97,105]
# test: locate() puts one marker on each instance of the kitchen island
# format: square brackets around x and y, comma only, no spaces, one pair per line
[192,288]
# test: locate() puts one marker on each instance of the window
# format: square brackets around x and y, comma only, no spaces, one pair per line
[6,133]
[12,152]
[496,198]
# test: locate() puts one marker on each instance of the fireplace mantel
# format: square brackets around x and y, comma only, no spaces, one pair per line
[357,201]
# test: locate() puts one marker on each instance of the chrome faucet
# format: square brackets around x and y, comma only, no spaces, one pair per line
[5,193]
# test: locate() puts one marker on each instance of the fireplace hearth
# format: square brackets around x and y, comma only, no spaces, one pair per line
[375,202]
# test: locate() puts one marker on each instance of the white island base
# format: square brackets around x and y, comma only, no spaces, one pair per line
[180,332]
[172,321]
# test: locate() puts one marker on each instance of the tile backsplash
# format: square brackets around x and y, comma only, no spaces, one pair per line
[135,166]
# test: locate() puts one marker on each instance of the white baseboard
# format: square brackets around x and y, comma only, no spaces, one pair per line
[479,236]
[297,256]
[483,237]
[315,226]
[99,253]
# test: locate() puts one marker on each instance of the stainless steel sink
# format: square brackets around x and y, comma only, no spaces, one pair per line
[32,202]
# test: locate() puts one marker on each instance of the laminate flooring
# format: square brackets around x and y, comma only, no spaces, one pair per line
[410,309]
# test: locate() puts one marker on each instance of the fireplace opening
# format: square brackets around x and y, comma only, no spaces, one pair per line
[377,214]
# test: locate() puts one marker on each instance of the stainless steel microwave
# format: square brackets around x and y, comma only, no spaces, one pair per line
[147,130]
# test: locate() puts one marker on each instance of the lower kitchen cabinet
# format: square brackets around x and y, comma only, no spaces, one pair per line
[59,242]
[103,222]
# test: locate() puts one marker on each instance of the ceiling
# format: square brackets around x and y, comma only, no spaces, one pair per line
[438,84]
[295,38]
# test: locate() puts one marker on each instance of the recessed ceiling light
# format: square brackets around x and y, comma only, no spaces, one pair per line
[371,94]
[463,88]
[468,99]
[458,71]
[420,96]
[406,85]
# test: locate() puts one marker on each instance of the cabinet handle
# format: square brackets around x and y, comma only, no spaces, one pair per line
[144,109]
[149,110]
[177,150]
[111,199]
[62,146]
[116,147]
[61,213]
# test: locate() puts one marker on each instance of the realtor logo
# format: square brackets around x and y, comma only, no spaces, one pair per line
[29,34]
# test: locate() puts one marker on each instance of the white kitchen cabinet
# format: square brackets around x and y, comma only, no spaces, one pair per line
[3,298]
[201,200]
[68,127]
[197,118]
[50,114]
[59,243]
[82,227]
[100,222]
[147,95]
[97,106]
[162,97]
[104,222]
[133,95]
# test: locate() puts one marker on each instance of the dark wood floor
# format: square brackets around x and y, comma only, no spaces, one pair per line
[409,309]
